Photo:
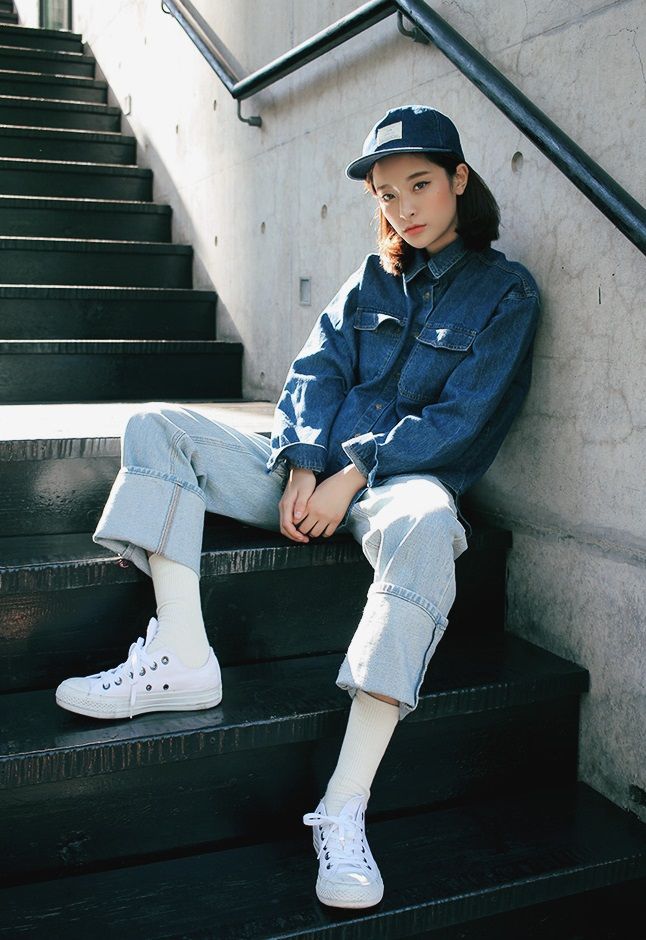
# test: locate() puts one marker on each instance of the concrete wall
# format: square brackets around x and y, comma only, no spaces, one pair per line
[265,207]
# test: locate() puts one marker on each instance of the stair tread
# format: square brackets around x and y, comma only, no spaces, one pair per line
[63,561]
[82,203]
[63,133]
[49,243]
[106,347]
[103,292]
[440,867]
[76,166]
[58,104]
[63,55]
[43,78]
[42,31]
[266,704]
[91,420]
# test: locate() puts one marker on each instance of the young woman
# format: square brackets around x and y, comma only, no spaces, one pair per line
[396,404]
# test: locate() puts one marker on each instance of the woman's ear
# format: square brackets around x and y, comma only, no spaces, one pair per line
[460,178]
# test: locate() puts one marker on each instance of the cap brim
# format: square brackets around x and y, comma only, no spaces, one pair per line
[358,168]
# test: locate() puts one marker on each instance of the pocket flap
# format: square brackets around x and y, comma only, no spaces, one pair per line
[447,337]
[367,318]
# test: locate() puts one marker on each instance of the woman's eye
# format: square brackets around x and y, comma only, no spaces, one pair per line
[422,183]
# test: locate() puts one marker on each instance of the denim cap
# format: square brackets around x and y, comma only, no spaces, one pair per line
[411,129]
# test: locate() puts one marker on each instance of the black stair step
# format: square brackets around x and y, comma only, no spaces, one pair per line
[52,86]
[45,61]
[8,17]
[266,704]
[106,312]
[40,112]
[66,603]
[7,6]
[49,217]
[28,260]
[29,37]
[58,178]
[506,707]
[440,868]
[38,143]
[142,370]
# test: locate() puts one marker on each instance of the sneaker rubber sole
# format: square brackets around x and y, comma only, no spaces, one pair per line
[152,702]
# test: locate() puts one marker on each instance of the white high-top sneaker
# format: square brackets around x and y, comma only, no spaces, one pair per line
[145,682]
[348,874]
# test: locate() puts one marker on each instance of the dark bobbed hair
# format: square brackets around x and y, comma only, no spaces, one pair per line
[477,209]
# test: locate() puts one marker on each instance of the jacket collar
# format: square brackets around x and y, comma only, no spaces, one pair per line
[439,263]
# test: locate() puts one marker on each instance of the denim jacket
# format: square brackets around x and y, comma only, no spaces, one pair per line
[415,373]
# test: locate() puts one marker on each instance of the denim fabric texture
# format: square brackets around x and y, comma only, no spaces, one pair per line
[178,464]
[422,372]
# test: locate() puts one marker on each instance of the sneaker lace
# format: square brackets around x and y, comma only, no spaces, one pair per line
[342,841]
[131,669]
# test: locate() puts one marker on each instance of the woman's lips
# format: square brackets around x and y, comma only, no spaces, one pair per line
[413,229]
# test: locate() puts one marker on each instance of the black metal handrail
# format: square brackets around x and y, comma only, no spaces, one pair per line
[623,210]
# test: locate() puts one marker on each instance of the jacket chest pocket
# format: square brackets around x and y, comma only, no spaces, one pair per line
[377,335]
[438,350]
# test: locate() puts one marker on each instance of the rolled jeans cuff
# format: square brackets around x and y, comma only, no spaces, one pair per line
[392,645]
[150,511]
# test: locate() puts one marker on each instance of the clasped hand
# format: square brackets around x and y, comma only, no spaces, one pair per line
[310,510]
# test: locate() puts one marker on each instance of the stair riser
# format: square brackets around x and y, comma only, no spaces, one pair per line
[11,18]
[122,150]
[51,89]
[6,6]
[84,223]
[261,794]
[52,634]
[33,116]
[79,318]
[19,61]
[94,185]
[43,378]
[38,39]
[118,268]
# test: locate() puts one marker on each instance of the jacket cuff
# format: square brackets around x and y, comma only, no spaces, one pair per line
[362,451]
[305,456]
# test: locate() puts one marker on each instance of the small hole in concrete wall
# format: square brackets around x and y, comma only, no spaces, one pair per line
[215,103]
[177,128]
[323,211]
[262,378]
[305,291]
[215,241]
[262,227]
[517,161]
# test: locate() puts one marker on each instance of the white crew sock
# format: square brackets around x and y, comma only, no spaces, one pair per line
[369,730]
[179,611]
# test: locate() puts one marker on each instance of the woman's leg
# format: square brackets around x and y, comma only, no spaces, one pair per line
[410,533]
[176,465]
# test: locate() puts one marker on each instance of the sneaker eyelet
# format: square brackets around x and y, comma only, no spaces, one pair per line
[118,681]
[106,686]
[328,865]
[164,660]
[153,667]
[142,671]
[165,687]
[131,676]
[148,688]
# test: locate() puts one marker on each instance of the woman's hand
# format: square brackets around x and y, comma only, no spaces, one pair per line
[299,488]
[328,503]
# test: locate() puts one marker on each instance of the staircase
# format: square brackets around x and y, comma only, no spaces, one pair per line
[189,824]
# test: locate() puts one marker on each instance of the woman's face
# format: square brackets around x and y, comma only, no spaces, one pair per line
[413,191]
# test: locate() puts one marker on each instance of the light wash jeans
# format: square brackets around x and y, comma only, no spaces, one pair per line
[176,464]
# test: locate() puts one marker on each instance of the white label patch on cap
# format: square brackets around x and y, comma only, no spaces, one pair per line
[389,132]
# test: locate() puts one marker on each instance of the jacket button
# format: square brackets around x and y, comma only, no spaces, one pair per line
[427,295]
[378,406]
